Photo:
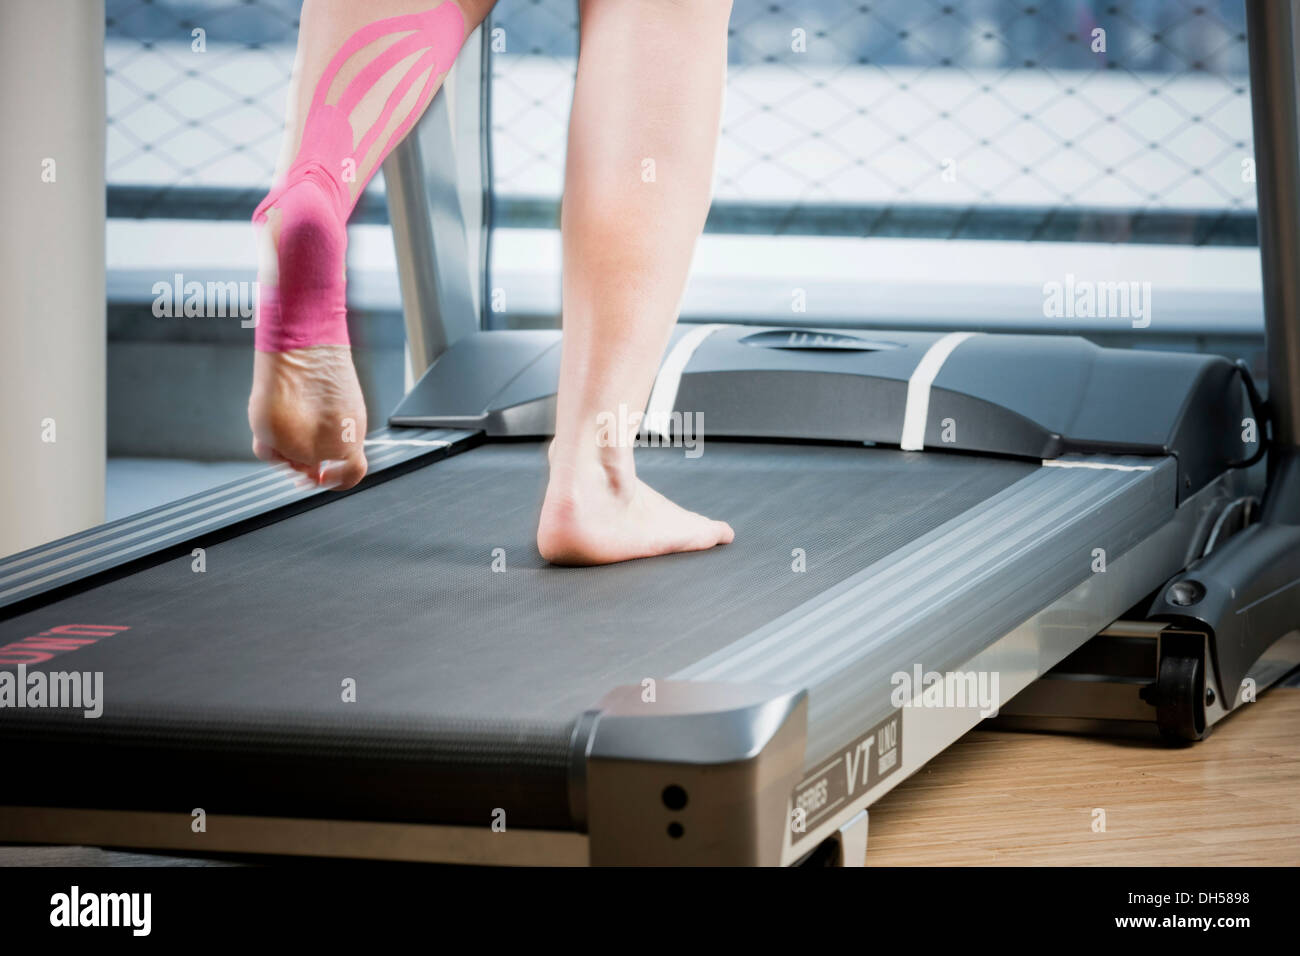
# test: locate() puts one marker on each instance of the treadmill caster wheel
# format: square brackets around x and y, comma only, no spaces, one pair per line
[848,847]
[826,854]
[1179,697]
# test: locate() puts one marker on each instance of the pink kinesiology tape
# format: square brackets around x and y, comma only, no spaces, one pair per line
[308,306]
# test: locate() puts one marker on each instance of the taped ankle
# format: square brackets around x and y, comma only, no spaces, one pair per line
[316,196]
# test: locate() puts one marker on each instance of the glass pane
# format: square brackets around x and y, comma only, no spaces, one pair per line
[933,164]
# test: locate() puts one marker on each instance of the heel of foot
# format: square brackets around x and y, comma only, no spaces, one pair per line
[308,305]
[311,225]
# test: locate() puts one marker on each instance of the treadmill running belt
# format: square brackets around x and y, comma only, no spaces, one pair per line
[471,657]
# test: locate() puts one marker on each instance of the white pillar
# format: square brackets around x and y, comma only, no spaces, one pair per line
[52,317]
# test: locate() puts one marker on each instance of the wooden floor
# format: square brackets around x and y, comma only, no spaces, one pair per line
[1000,798]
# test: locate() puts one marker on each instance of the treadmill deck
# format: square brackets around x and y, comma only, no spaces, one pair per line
[396,588]
[457,666]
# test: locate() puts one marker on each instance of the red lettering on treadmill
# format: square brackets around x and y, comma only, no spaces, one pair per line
[9,654]
[55,643]
[90,630]
[57,640]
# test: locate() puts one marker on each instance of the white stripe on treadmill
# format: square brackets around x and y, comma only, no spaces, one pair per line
[663,397]
[918,389]
[417,442]
[1099,465]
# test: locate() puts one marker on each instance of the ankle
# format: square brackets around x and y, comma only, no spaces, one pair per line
[302,300]
[583,468]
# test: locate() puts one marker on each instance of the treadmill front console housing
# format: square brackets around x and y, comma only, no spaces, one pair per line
[1029,396]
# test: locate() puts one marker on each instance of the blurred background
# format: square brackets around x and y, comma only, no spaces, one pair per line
[893,163]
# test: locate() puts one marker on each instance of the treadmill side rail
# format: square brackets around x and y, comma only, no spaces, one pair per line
[267,493]
[698,775]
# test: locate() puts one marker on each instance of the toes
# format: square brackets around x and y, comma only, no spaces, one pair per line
[701,535]
[265,452]
[342,475]
[712,534]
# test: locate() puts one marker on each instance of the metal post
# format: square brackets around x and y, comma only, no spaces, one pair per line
[435,202]
[1271,32]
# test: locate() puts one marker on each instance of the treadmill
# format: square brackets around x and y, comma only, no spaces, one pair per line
[1070,536]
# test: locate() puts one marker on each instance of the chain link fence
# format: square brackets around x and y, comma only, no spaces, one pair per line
[1059,120]
[196,93]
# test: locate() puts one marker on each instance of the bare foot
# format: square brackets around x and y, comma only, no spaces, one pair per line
[594,514]
[306,409]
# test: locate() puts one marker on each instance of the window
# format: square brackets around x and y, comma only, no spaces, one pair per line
[922,163]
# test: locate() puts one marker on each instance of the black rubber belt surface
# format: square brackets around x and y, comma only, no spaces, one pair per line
[226,691]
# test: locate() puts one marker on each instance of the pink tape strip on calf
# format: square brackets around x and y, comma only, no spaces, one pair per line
[309,305]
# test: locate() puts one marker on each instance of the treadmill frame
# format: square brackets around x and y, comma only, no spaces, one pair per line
[440,306]
[740,747]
